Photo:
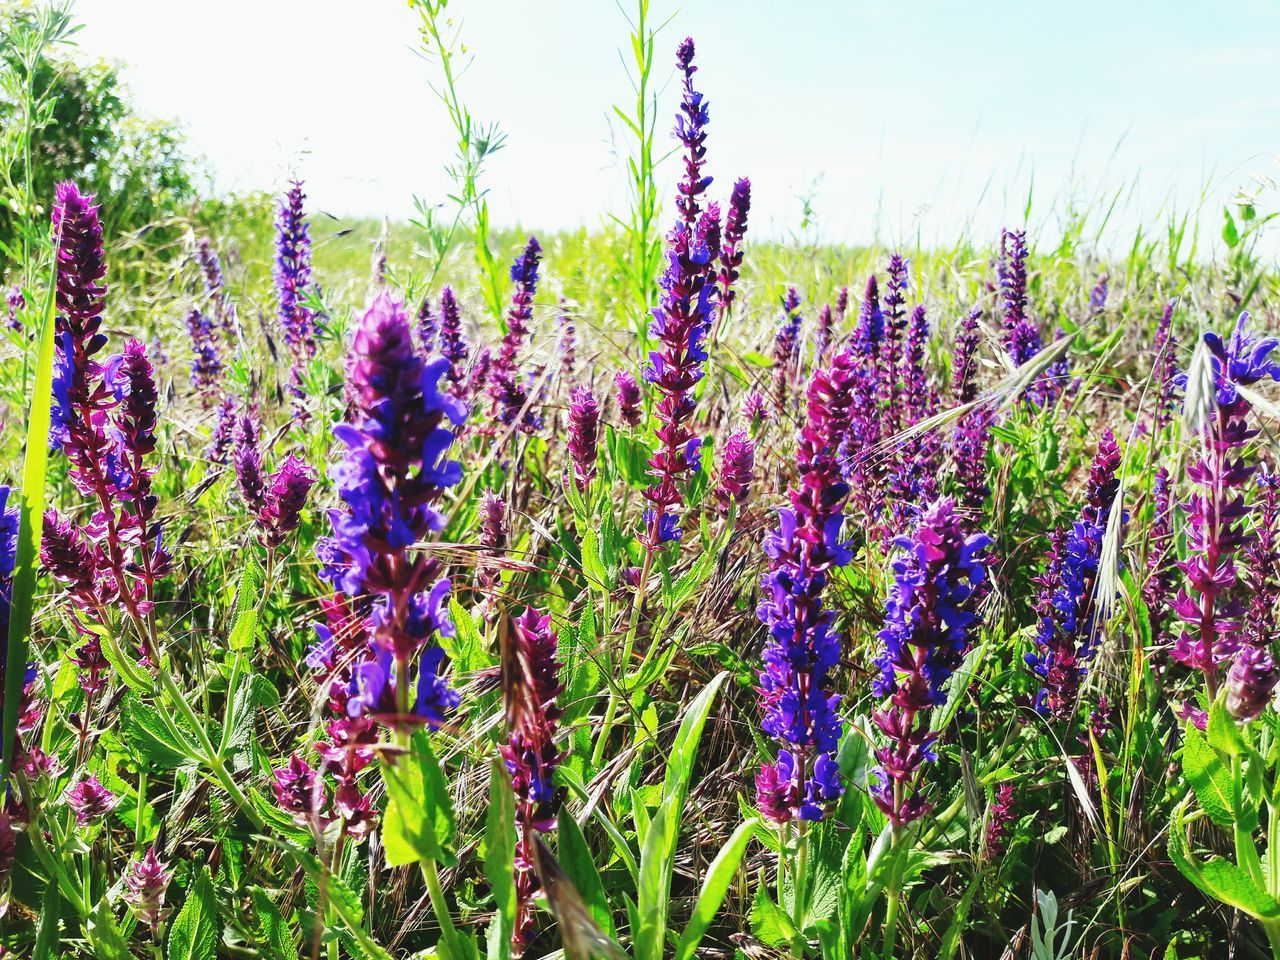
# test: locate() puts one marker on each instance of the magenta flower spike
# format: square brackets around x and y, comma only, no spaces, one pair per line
[629,399]
[508,386]
[584,429]
[737,467]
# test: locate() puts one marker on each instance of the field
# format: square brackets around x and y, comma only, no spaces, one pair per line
[434,590]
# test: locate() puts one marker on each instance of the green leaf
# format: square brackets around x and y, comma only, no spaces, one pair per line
[770,925]
[655,887]
[30,526]
[1219,878]
[1230,234]
[499,860]
[1221,730]
[579,866]
[684,751]
[195,934]
[276,938]
[244,621]
[104,934]
[47,933]
[157,739]
[419,823]
[1209,778]
[720,875]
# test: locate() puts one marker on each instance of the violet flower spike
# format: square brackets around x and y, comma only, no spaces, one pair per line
[584,428]
[731,255]
[247,459]
[451,342]
[629,400]
[508,386]
[282,503]
[145,885]
[90,801]
[737,467]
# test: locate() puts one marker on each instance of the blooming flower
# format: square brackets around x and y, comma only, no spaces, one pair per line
[451,343]
[737,465]
[799,707]
[282,504]
[971,437]
[999,821]
[735,228]
[508,386]
[247,458]
[567,344]
[929,622]
[393,472]
[90,800]
[628,393]
[1067,632]
[530,688]
[493,537]
[145,886]
[584,426]
[870,330]
[786,348]
[293,281]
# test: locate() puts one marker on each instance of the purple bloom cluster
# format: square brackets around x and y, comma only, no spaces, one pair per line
[105,422]
[929,620]
[276,501]
[737,466]
[735,229]
[786,348]
[628,394]
[1068,599]
[451,343]
[1253,676]
[800,711]
[1165,372]
[508,386]
[1157,589]
[145,885]
[393,472]
[584,429]
[1021,336]
[567,345]
[1208,605]
[206,364]
[971,437]
[870,330]
[16,303]
[214,285]
[293,280]
[531,686]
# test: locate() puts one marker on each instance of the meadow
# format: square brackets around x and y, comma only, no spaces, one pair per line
[434,590]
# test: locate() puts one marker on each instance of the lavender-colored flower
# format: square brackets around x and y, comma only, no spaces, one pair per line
[737,466]
[282,504]
[247,458]
[971,437]
[1215,515]
[293,282]
[223,430]
[929,622]
[493,539]
[391,476]
[891,347]
[90,800]
[691,131]
[452,344]
[428,326]
[999,821]
[479,376]
[145,885]
[800,711]
[1157,589]
[16,302]
[1098,297]
[628,394]
[1251,681]
[735,228]
[822,341]
[508,386]
[300,791]
[1021,335]
[584,428]
[870,331]
[786,348]
[914,378]
[210,267]
[756,412]
[1165,372]
[1067,634]
[530,688]
[567,344]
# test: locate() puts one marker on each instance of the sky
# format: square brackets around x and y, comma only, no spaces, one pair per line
[906,122]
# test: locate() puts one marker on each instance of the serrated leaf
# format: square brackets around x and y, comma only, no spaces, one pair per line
[418,825]
[499,860]
[104,934]
[1209,778]
[244,620]
[195,934]
[276,938]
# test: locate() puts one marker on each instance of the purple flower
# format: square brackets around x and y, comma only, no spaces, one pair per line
[282,504]
[691,131]
[392,474]
[1157,589]
[16,303]
[1165,372]
[301,792]
[293,281]
[628,394]
[90,800]
[584,428]
[891,347]
[800,711]
[971,437]
[508,386]
[755,411]
[1067,634]
[451,343]
[145,885]
[735,228]
[826,319]
[737,465]
[1098,297]
[786,348]
[428,326]
[493,538]
[914,378]
[1251,681]
[870,331]
[1000,819]
[223,430]
[929,621]
[214,288]
[567,345]
[530,688]
[1208,605]
[8,556]
[247,458]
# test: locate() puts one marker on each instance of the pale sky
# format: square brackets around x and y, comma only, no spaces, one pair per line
[927,115]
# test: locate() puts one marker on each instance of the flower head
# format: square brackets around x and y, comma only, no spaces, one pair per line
[90,800]
[584,427]
[145,886]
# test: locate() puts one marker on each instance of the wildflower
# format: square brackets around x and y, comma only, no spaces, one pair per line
[1251,681]
[16,303]
[451,343]
[799,707]
[737,464]
[1098,297]
[891,347]
[914,379]
[428,326]
[301,792]
[822,342]
[392,473]
[223,430]
[493,537]
[90,800]
[786,347]
[145,886]
[735,228]
[214,286]
[283,501]
[628,393]
[530,688]
[755,411]
[870,331]
[293,281]
[1161,569]
[1165,372]
[1067,632]
[567,345]
[508,387]
[999,821]
[247,458]
[681,322]
[929,623]
[584,426]
[1215,531]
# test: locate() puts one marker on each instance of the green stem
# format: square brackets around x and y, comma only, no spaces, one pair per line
[799,897]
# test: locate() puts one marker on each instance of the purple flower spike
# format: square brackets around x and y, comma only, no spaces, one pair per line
[90,801]
[929,625]
[283,501]
[393,473]
[870,331]
[507,385]
[1067,634]
[971,437]
[145,885]
[786,348]
[584,428]
[800,711]
[628,393]
[691,131]
[735,228]
[293,280]
[247,458]
[452,344]
[737,465]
